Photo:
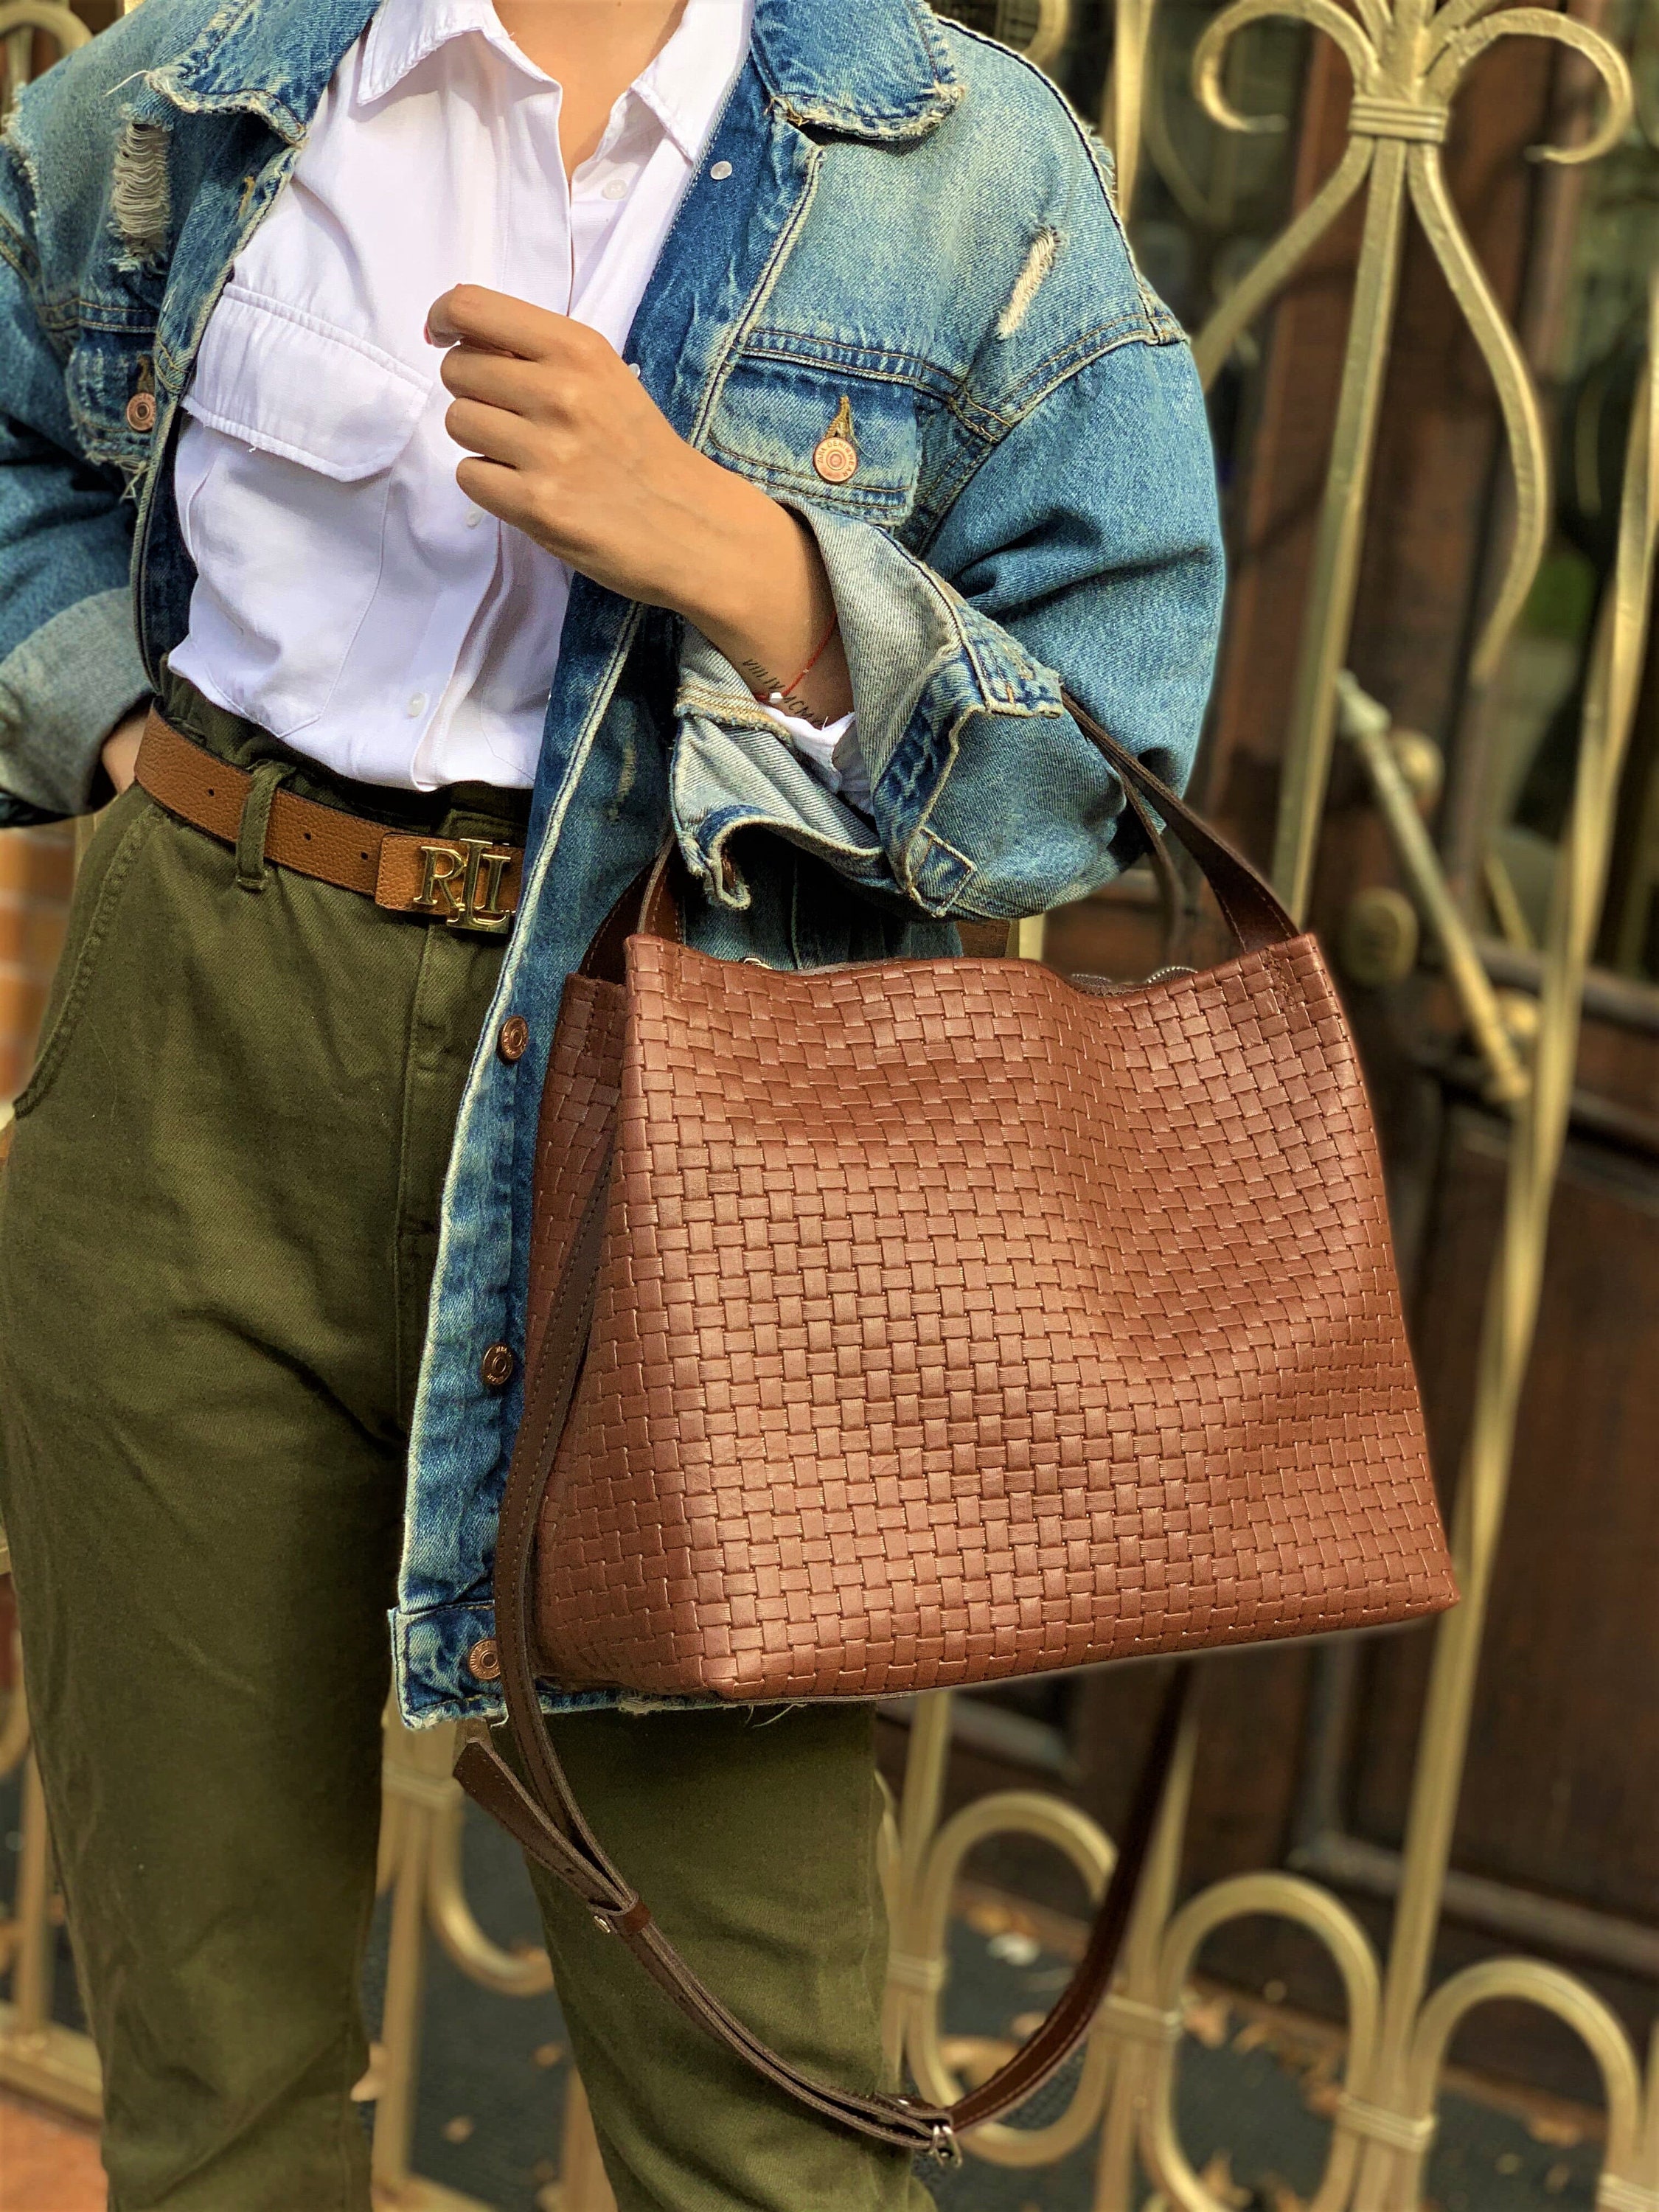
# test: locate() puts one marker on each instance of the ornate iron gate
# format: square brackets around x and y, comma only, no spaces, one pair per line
[1407,57]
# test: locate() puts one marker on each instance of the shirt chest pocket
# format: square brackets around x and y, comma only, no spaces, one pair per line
[298,434]
[818,434]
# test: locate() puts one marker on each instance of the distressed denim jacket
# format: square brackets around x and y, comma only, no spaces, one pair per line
[894,217]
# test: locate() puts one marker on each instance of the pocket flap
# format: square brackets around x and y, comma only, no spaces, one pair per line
[827,435]
[281,381]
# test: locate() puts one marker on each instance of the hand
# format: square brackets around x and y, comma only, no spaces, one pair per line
[120,753]
[566,445]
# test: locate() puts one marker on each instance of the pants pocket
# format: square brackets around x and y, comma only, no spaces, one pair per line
[121,836]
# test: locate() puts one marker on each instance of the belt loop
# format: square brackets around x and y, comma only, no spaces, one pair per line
[252,872]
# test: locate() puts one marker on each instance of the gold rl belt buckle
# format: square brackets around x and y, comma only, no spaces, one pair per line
[462,882]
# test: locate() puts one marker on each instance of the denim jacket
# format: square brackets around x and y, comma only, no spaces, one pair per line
[896,216]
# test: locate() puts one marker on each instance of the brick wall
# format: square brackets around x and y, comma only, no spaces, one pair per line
[36,868]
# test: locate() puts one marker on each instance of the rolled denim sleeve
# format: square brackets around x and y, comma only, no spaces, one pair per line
[69,666]
[1086,547]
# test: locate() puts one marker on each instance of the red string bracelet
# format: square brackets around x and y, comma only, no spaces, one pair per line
[781,697]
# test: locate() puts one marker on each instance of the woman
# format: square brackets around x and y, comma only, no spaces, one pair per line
[493,439]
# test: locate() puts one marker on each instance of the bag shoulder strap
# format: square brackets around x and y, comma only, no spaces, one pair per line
[537,1806]
[542,1814]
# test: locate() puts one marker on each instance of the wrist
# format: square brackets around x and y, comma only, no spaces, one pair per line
[119,755]
[751,578]
[746,558]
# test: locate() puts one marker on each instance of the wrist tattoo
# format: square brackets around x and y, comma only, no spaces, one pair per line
[769,687]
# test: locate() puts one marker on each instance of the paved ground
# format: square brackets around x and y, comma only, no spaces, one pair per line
[46,2165]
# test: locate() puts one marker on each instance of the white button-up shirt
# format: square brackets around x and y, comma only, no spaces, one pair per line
[351,598]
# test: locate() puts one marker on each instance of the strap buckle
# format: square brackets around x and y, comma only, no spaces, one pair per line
[944,2148]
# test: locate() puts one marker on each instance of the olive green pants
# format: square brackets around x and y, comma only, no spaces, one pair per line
[217,1228]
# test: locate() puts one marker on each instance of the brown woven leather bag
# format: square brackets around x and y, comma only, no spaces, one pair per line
[926,1322]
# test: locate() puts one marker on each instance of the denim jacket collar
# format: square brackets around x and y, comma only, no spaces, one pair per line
[839,66]
[241,61]
[836,65]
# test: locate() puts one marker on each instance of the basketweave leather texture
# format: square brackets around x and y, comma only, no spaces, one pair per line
[574,1134]
[954,1323]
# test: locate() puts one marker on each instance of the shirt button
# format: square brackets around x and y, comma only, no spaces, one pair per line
[513,1041]
[483,1661]
[417,704]
[474,517]
[619,188]
[497,1366]
[720,171]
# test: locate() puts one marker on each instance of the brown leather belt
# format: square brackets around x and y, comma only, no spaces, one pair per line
[470,883]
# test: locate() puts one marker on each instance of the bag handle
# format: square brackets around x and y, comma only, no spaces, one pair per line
[651,905]
[1249,905]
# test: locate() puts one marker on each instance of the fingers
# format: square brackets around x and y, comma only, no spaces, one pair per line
[500,379]
[473,315]
[120,751]
[503,492]
[582,389]
[495,433]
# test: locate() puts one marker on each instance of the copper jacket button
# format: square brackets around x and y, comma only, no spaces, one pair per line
[513,1041]
[483,1661]
[141,411]
[497,1366]
[836,460]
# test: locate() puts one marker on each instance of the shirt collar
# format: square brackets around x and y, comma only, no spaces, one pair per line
[682,87]
[686,84]
[404,32]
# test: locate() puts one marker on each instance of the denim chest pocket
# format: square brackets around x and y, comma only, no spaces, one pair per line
[820,433]
[107,382]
